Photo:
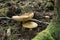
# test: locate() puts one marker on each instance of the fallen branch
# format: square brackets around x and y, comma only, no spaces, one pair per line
[30,20]
[39,21]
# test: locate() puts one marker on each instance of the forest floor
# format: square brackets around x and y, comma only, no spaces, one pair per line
[11,8]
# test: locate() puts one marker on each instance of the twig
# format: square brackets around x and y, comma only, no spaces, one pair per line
[5,18]
[39,21]
[31,20]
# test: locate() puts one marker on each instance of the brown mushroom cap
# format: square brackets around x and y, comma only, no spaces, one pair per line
[23,17]
[30,25]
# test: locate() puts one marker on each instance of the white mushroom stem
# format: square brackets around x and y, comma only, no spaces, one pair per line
[30,29]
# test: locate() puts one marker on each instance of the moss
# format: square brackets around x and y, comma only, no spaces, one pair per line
[3,11]
[44,35]
[49,4]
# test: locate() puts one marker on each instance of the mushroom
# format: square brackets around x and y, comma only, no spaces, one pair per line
[8,32]
[23,17]
[46,17]
[30,25]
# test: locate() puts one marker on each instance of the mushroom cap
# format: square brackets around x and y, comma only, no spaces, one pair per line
[47,17]
[23,17]
[30,25]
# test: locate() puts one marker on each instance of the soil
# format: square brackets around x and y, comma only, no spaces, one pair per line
[17,31]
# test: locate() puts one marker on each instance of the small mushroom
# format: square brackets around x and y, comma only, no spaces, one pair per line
[8,32]
[30,25]
[23,17]
[46,17]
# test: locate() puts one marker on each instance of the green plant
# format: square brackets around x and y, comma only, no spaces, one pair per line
[49,4]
